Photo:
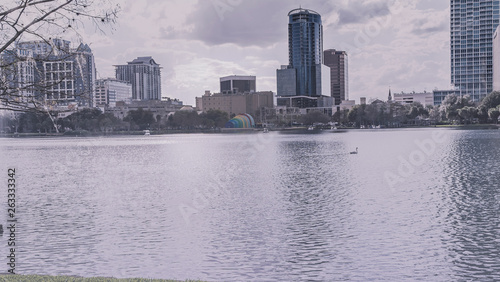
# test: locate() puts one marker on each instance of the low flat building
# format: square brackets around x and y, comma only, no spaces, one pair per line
[161,108]
[345,105]
[237,84]
[236,103]
[425,98]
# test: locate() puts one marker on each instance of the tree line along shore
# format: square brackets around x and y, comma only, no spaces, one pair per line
[454,111]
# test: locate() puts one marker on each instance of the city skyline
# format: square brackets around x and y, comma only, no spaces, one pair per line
[401,45]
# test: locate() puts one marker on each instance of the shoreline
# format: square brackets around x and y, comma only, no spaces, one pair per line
[234,131]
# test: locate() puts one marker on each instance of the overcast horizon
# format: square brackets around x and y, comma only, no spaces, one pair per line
[404,46]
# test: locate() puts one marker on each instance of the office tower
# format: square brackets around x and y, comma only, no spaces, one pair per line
[237,84]
[17,75]
[84,74]
[305,81]
[305,50]
[144,75]
[473,24]
[337,61]
[496,59]
[302,75]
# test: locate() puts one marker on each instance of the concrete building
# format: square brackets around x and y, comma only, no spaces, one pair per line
[108,91]
[425,98]
[145,76]
[338,63]
[160,109]
[286,81]
[237,84]
[235,104]
[17,75]
[345,105]
[473,24]
[56,73]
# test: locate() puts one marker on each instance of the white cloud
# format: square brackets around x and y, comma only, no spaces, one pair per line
[402,44]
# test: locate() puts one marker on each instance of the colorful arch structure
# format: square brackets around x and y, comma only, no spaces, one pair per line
[241,121]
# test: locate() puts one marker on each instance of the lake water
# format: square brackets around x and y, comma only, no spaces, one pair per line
[411,205]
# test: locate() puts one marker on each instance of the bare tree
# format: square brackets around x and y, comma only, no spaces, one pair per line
[24,84]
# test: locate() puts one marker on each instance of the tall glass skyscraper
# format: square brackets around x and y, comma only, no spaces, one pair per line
[473,23]
[305,50]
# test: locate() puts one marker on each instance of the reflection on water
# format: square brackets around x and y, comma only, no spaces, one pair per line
[473,194]
[279,207]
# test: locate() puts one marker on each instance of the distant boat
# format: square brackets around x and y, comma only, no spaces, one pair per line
[354,152]
[334,129]
[310,128]
[147,133]
[265,130]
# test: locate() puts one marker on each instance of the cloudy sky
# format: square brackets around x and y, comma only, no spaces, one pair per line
[391,43]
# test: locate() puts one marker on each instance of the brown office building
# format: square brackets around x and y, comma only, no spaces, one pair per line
[234,104]
[337,61]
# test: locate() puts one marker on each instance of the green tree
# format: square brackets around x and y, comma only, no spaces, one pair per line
[7,125]
[482,114]
[494,113]
[467,113]
[435,114]
[492,100]
[213,118]
[314,117]
[185,120]
[31,122]
[452,103]
[140,119]
[86,119]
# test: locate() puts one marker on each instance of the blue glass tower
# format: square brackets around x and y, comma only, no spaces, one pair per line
[473,24]
[305,50]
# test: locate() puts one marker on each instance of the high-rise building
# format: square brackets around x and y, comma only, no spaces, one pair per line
[473,24]
[237,84]
[85,74]
[305,50]
[337,61]
[496,59]
[145,76]
[305,79]
[17,75]
[54,72]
